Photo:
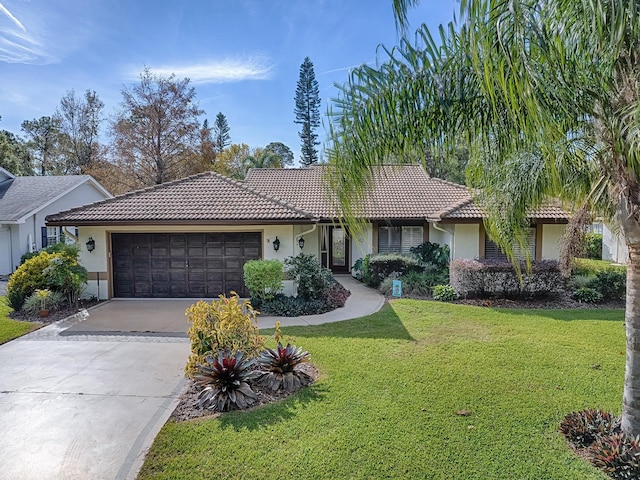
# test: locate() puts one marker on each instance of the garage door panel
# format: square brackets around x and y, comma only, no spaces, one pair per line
[253,252]
[182,264]
[159,263]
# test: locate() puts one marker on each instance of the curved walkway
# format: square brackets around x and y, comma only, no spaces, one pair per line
[363,301]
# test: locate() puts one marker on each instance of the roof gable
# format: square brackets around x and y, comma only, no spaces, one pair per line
[204,198]
[21,197]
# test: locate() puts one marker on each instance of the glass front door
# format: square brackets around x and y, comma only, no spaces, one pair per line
[339,253]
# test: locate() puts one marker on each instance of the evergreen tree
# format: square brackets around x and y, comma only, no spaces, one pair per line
[307,112]
[221,137]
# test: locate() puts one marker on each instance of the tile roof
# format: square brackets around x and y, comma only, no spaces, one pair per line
[470,210]
[405,192]
[284,195]
[206,197]
[20,196]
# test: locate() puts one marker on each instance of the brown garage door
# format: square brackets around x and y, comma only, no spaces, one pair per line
[159,265]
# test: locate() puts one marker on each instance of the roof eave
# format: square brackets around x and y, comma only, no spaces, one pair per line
[97,223]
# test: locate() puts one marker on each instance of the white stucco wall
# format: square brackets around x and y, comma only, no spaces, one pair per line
[362,244]
[551,235]
[466,241]
[437,236]
[98,261]
[613,245]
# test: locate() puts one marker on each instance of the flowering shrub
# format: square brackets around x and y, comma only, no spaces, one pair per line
[499,279]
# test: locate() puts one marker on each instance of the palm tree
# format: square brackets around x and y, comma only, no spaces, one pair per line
[261,158]
[545,94]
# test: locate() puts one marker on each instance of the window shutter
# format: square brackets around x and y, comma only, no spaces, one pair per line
[383,239]
[411,237]
[493,251]
[395,239]
[389,239]
[43,231]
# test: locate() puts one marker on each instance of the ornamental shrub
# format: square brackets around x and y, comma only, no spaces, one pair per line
[499,279]
[282,306]
[335,296]
[432,253]
[587,295]
[444,293]
[43,300]
[611,283]
[311,278]
[587,426]
[225,324]
[263,278]
[617,455]
[29,277]
[66,275]
[384,265]
[592,246]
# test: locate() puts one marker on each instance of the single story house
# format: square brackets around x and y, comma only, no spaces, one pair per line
[191,237]
[26,201]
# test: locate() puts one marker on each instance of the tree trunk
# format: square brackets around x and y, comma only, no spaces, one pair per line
[631,395]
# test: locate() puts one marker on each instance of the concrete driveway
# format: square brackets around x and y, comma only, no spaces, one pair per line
[84,407]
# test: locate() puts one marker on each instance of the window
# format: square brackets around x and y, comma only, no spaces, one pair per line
[399,239]
[493,251]
[50,236]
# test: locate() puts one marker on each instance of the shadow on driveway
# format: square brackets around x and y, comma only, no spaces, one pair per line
[157,317]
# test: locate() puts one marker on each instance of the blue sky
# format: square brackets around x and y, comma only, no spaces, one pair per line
[242,56]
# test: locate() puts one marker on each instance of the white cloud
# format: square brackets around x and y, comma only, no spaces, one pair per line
[12,18]
[218,71]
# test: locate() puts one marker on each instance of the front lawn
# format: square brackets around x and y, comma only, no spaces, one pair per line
[391,384]
[10,329]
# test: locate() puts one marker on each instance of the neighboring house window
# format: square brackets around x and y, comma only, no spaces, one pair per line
[50,236]
[399,239]
[493,251]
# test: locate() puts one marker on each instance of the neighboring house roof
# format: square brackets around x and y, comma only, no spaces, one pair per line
[204,198]
[405,191]
[21,197]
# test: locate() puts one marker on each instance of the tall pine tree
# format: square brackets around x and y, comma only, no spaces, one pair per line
[221,137]
[307,112]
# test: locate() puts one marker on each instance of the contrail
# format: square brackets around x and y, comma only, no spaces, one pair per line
[12,18]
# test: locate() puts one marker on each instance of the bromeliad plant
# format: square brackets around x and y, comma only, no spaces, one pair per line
[280,368]
[225,379]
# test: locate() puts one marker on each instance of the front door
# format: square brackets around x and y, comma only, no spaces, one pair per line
[338,250]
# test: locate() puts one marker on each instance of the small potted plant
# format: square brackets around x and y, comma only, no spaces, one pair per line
[44,296]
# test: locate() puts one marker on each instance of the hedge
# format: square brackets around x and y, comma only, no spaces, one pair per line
[499,279]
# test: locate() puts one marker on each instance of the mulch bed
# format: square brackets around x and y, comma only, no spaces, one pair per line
[188,408]
[54,315]
[559,302]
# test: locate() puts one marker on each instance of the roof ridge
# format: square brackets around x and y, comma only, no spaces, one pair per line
[454,206]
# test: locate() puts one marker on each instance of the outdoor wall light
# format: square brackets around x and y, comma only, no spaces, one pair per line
[91,245]
[276,244]
[301,242]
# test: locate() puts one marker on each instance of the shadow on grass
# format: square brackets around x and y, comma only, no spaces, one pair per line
[384,324]
[270,414]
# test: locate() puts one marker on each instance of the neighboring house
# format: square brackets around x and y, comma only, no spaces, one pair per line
[191,237]
[26,201]
[614,247]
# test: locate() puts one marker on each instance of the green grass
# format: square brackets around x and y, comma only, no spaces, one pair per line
[10,329]
[588,266]
[389,389]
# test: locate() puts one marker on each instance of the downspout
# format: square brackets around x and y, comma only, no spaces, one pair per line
[297,237]
[453,237]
